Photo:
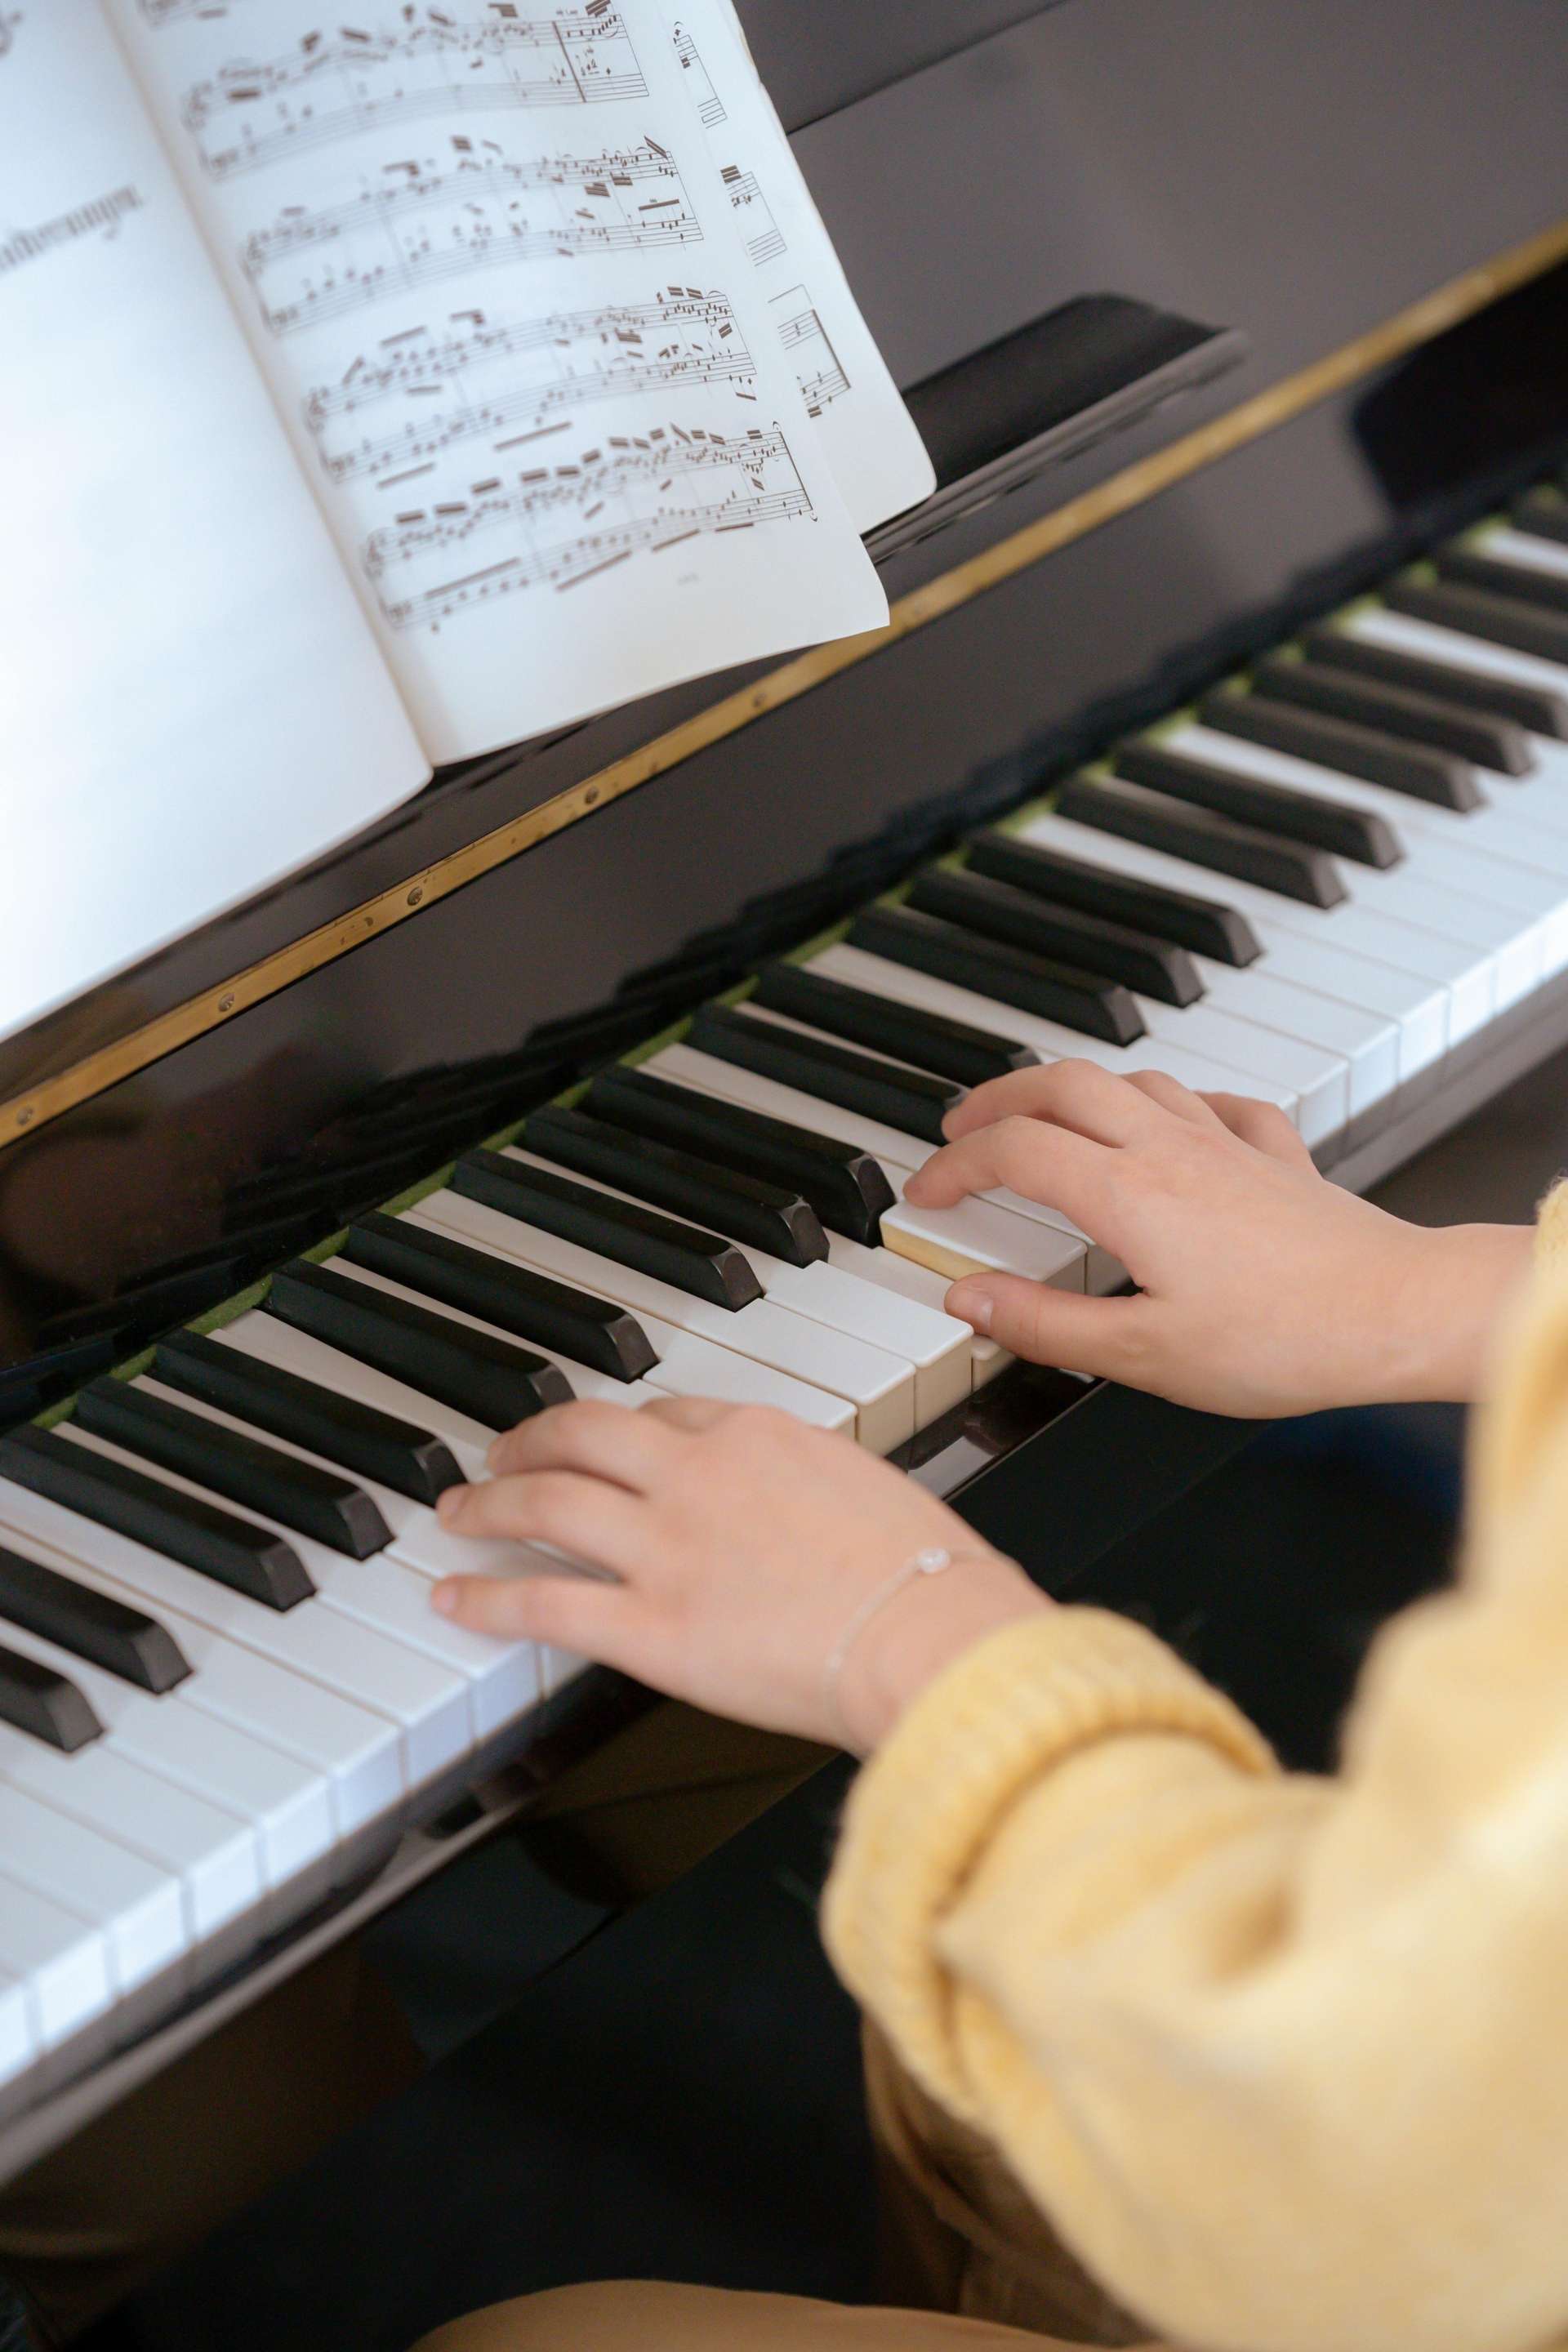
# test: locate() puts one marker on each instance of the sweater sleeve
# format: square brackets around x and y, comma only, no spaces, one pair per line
[1283,2059]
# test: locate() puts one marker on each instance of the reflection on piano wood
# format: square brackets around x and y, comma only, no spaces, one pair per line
[817,365]
[342,82]
[532,367]
[469,214]
[655,491]
[709,105]
[763,237]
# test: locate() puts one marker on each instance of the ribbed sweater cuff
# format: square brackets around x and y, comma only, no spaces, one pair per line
[927,1805]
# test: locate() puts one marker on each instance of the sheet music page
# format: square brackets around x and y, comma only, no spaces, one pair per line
[877,458]
[190,701]
[493,277]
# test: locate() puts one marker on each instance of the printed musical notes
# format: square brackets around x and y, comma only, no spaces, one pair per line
[819,368]
[425,221]
[709,105]
[640,494]
[396,408]
[761,232]
[335,84]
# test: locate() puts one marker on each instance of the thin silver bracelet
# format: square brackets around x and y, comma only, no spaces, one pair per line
[929,1562]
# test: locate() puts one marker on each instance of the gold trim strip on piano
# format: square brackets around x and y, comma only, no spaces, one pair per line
[1405,332]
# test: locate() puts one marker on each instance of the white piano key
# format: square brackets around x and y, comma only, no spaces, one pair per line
[1257,1056]
[61,1960]
[1381,627]
[936,1346]
[392,1602]
[901,1275]
[1489,854]
[992,1233]
[1522,547]
[429,1706]
[134,1905]
[213,1853]
[878,1388]
[1416,1010]
[1467,976]
[688,1364]
[1367,1042]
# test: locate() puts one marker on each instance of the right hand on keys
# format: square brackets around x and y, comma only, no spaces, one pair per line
[1263,1289]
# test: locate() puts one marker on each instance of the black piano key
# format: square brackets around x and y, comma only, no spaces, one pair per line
[1037,984]
[1206,926]
[89,1624]
[474,1372]
[705,1265]
[35,1699]
[242,1468]
[1289,869]
[1474,612]
[1353,750]
[1538,708]
[932,1041]
[911,1100]
[1544,513]
[592,1331]
[770,1217]
[997,911]
[1472,567]
[1474,735]
[377,1444]
[232,1551]
[1278,809]
[849,1188]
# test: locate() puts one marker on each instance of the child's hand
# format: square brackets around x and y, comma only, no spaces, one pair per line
[1263,1288]
[741,1543]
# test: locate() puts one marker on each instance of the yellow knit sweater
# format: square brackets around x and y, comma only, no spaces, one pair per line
[1284,2061]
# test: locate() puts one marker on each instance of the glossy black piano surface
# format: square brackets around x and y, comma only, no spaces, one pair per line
[1289,179]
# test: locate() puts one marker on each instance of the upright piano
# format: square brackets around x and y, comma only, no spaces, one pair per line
[1221,727]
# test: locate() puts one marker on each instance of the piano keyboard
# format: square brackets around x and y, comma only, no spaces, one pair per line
[223,1693]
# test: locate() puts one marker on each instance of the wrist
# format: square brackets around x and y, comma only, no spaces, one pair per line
[928,1625]
[1455,1287]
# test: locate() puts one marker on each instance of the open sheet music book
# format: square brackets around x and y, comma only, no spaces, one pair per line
[375,394]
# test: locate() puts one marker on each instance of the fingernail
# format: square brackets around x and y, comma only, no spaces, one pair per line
[494,1458]
[971,1303]
[913,1184]
[448,1503]
[444,1598]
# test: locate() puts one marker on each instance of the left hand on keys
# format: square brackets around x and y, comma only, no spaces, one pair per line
[741,1544]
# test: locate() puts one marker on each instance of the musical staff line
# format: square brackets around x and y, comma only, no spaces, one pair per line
[339,83]
[658,490]
[427,223]
[709,105]
[820,372]
[567,359]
